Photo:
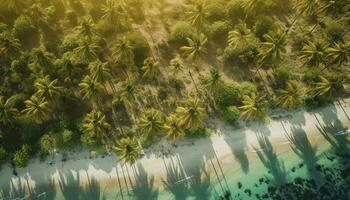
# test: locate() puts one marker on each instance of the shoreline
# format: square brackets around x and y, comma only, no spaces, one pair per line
[232,146]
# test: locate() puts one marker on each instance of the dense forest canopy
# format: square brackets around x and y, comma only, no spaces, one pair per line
[118,75]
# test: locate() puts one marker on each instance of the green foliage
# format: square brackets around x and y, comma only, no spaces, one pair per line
[197,132]
[140,47]
[21,157]
[218,30]
[26,32]
[227,95]
[48,142]
[180,31]
[334,31]
[216,11]
[3,155]
[263,25]
[242,57]
[235,11]
[281,76]
[229,114]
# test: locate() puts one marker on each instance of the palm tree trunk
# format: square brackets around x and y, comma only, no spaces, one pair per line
[126,182]
[119,184]
[194,83]
[341,106]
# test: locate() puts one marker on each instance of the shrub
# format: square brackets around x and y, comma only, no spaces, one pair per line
[141,47]
[229,114]
[48,142]
[25,31]
[21,157]
[240,56]
[334,32]
[197,132]
[248,88]
[180,31]
[3,155]
[216,11]
[89,139]
[227,95]
[218,30]
[262,25]
[282,75]
[235,11]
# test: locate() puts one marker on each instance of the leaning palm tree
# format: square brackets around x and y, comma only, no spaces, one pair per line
[340,53]
[86,52]
[313,53]
[197,13]
[8,111]
[90,88]
[123,51]
[254,107]
[177,65]
[9,45]
[291,96]
[173,129]
[191,114]
[150,122]
[128,150]
[150,68]
[240,36]
[96,123]
[47,88]
[37,108]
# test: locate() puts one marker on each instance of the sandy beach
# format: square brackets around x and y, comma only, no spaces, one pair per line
[236,149]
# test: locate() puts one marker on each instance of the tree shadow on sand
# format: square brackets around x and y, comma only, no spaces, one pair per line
[199,184]
[70,186]
[237,143]
[92,189]
[174,174]
[269,158]
[302,147]
[143,188]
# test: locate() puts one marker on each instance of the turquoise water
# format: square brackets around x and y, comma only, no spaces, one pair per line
[278,165]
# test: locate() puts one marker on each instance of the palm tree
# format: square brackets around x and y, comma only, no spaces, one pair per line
[274,46]
[313,53]
[151,122]
[252,6]
[340,53]
[113,12]
[291,96]
[177,65]
[191,114]
[123,51]
[253,107]
[128,90]
[14,5]
[101,73]
[128,149]
[86,52]
[173,129]
[196,47]
[213,80]
[330,87]
[9,45]
[307,7]
[240,36]
[90,88]
[86,28]
[37,108]
[197,13]
[8,112]
[47,88]
[69,72]
[150,68]
[96,123]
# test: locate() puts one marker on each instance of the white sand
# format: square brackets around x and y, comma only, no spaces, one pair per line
[227,142]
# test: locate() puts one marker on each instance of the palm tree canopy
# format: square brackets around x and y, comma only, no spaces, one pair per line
[196,47]
[291,96]
[8,112]
[328,87]
[253,107]
[96,123]
[47,88]
[128,149]
[37,108]
[197,13]
[100,71]
[176,64]
[151,122]
[307,7]
[113,11]
[240,36]
[89,87]
[123,51]
[274,46]
[339,53]
[213,80]
[191,114]
[86,52]
[9,45]
[150,68]
[128,90]
[173,129]
[313,53]
[86,28]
